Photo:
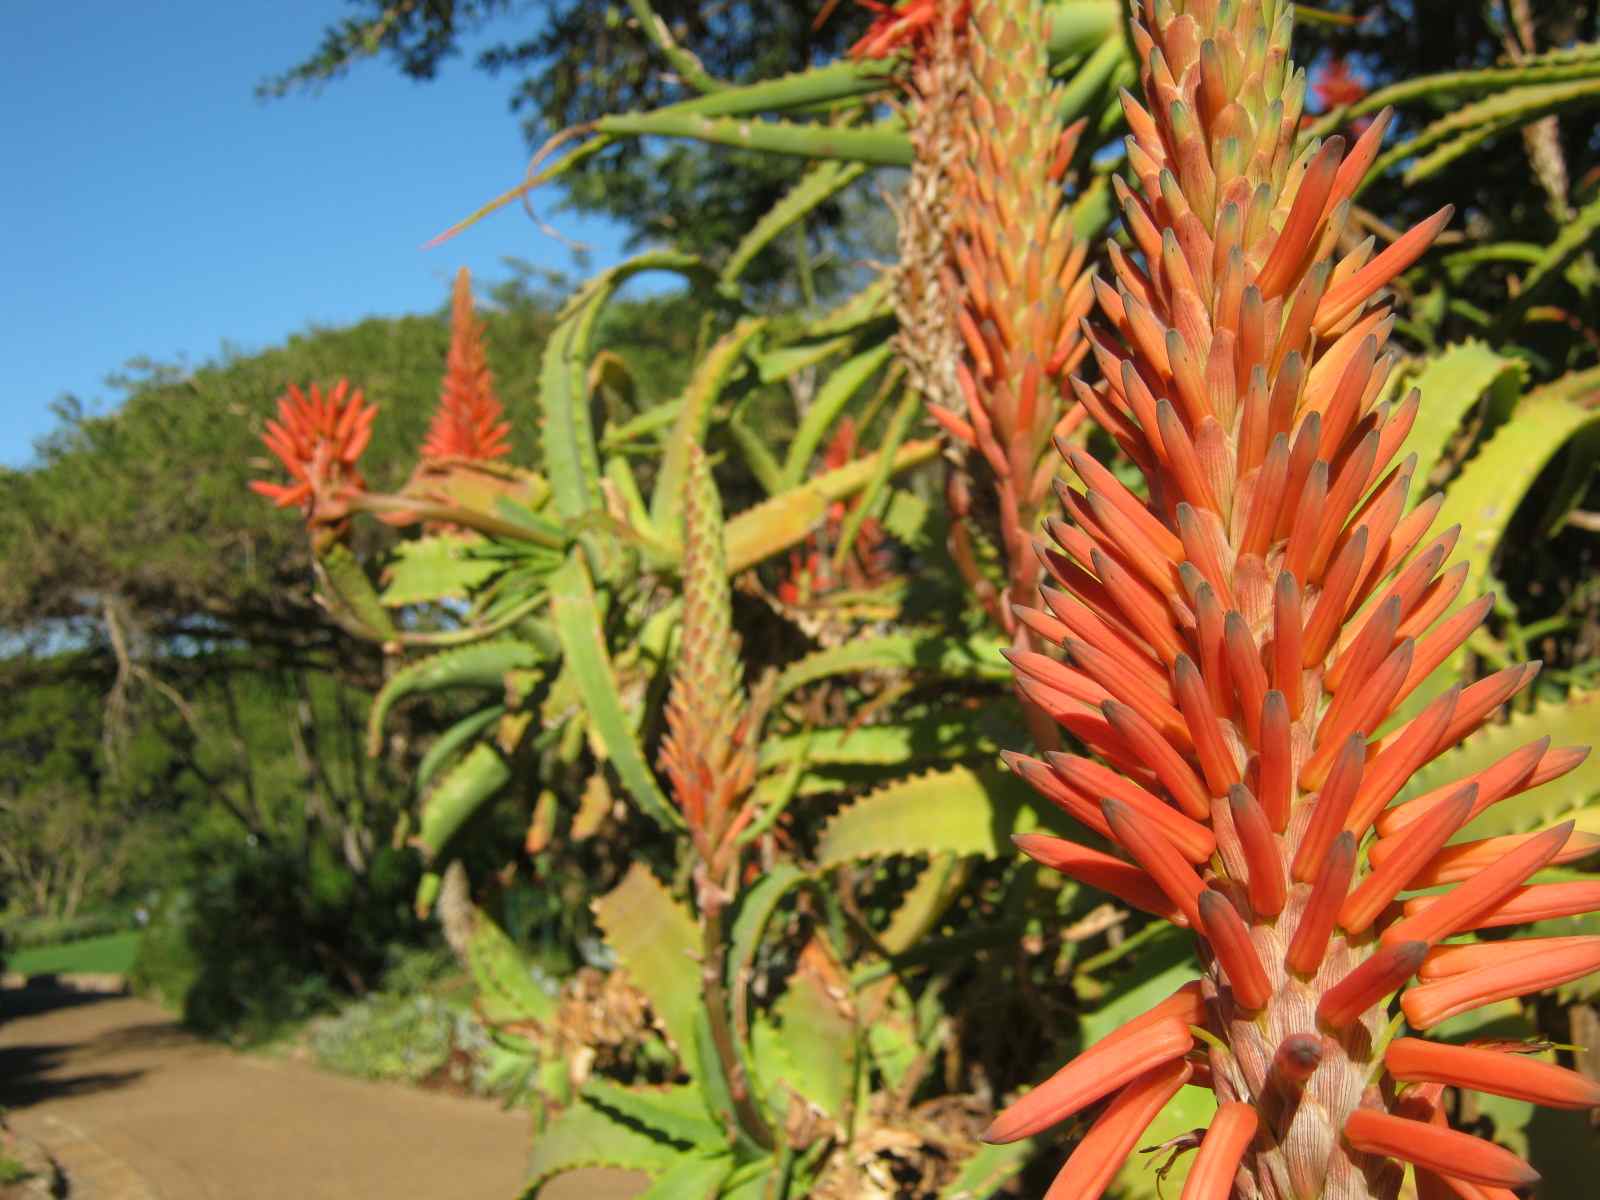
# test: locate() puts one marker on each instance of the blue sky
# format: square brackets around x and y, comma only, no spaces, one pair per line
[154,208]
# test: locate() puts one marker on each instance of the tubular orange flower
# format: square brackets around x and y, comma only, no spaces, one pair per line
[318,438]
[1235,641]
[1441,1150]
[469,420]
[1413,1060]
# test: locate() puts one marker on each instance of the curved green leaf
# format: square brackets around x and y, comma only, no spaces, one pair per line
[963,811]
[675,1113]
[786,519]
[434,568]
[710,377]
[836,392]
[976,657]
[884,145]
[586,1137]
[1570,242]
[756,907]
[817,1051]
[470,784]
[816,187]
[696,1177]
[984,1171]
[1451,384]
[576,615]
[452,739]
[508,992]
[931,737]
[656,942]
[571,459]
[1485,495]
[350,589]
[484,666]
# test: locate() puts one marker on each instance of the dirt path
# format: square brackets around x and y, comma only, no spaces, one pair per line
[135,1108]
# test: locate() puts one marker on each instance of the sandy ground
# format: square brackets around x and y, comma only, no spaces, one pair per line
[135,1108]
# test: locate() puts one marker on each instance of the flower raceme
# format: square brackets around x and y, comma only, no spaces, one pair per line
[1234,646]
[318,438]
[469,422]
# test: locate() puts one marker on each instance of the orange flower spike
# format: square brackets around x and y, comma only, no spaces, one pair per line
[1413,1060]
[469,420]
[1216,760]
[1211,1174]
[1443,1150]
[1428,1004]
[1176,775]
[1342,1004]
[1230,940]
[1092,1076]
[1274,580]
[1114,1134]
[1294,1063]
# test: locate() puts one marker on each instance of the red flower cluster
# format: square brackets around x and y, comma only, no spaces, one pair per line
[318,439]
[906,26]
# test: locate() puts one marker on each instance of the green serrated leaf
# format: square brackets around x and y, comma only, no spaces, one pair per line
[566,431]
[1161,967]
[780,362]
[453,739]
[698,1177]
[839,388]
[710,377]
[931,737]
[819,1045]
[466,788]
[674,1113]
[756,907]
[984,1171]
[434,568]
[1192,1108]
[816,187]
[962,811]
[977,657]
[1452,383]
[353,593]
[883,145]
[924,903]
[655,941]
[586,1137]
[788,518]
[871,303]
[576,615]
[508,992]
[481,666]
